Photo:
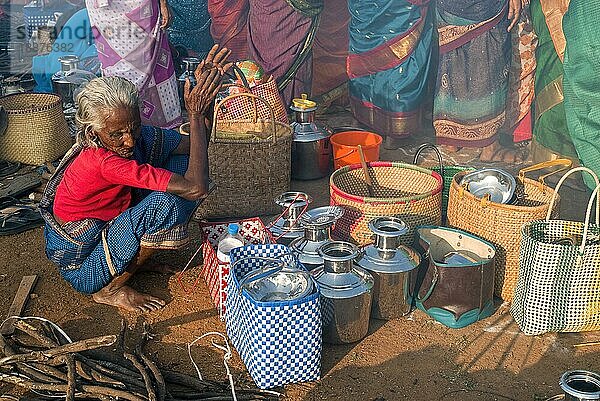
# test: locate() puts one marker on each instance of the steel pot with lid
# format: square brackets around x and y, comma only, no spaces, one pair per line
[345,293]
[287,227]
[69,79]
[311,148]
[393,267]
[316,225]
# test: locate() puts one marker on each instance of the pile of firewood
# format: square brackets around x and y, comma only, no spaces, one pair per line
[38,358]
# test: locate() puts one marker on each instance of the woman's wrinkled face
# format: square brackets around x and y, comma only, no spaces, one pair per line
[122,127]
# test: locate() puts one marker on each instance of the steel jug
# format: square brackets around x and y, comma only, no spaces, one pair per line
[189,65]
[286,227]
[311,148]
[394,268]
[316,224]
[346,293]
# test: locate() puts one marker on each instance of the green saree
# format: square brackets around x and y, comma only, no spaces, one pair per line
[581,81]
[550,124]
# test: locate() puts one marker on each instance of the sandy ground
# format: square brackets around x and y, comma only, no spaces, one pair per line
[412,358]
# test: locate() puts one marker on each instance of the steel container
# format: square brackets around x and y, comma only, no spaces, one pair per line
[345,293]
[69,79]
[189,65]
[286,227]
[316,224]
[580,385]
[311,148]
[393,267]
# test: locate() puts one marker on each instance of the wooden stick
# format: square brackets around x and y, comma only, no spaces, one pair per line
[161,388]
[78,346]
[365,169]
[71,380]
[19,302]
[586,344]
[142,370]
[35,334]
[95,390]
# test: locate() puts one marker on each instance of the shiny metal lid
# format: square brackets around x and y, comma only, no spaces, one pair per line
[339,277]
[287,226]
[386,254]
[321,217]
[70,74]
[581,385]
[310,131]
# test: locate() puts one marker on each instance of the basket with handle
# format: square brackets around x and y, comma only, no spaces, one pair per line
[501,223]
[409,192]
[447,172]
[36,131]
[250,162]
[559,275]
[236,108]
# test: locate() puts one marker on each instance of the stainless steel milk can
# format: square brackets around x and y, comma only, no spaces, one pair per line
[393,266]
[345,293]
[311,148]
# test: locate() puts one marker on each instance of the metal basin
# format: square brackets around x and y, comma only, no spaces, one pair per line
[497,183]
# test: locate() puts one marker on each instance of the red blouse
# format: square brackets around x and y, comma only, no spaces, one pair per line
[98,185]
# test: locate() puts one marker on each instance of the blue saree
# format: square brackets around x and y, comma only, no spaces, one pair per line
[388,63]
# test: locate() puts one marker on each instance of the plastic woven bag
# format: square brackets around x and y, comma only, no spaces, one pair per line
[279,342]
[558,289]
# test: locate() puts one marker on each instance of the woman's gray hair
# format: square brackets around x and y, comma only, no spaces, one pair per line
[96,100]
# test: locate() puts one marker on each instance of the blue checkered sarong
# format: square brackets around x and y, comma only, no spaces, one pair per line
[91,252]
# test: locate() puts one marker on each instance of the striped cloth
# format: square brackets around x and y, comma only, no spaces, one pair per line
[91,252]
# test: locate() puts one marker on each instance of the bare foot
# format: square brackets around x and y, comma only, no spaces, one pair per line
[155,267]
[450,149]
[129,299]
[497,153]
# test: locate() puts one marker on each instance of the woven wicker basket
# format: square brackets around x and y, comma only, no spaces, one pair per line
[501,224]
[409,192]
[250,162]
[37,131]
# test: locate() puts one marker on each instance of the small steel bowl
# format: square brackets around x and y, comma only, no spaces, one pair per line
[497,183]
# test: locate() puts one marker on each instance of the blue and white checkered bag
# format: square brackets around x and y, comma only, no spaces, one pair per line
[279,342]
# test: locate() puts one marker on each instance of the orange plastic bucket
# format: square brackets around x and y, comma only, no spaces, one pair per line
[345,147]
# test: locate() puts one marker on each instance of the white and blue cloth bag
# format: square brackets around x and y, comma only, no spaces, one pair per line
[279,342]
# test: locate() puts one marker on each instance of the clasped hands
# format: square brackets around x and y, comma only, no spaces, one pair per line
[208,77]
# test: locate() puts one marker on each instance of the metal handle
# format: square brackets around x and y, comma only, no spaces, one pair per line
[273,266]
[437,152]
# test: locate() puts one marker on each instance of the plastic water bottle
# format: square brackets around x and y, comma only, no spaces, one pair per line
[231,239]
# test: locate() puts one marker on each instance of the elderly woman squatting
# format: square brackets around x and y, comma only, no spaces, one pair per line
[125,189]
